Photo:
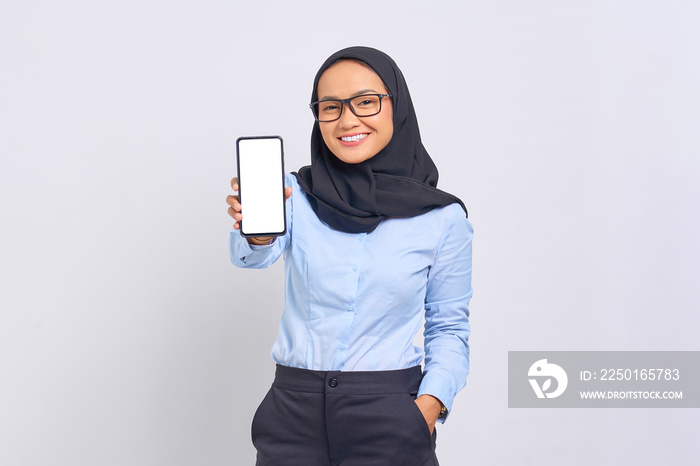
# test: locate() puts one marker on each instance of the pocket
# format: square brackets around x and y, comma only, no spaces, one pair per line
[259,414]
[418,417]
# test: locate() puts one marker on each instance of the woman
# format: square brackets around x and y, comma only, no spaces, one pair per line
[372,247]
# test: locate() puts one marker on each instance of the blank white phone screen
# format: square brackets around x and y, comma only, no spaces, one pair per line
[261,183]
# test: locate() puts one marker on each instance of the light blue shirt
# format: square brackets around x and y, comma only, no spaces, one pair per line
[354,302]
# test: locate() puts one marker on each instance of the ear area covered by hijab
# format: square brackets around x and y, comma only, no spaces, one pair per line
[399,182]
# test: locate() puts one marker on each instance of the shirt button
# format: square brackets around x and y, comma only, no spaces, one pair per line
[343,347]
[349,307]
[354,268]
[333,382]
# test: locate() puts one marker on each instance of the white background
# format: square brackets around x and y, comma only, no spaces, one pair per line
[570,130]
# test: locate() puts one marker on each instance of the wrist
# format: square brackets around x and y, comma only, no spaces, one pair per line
[259,241]
[431,404]
[438,406]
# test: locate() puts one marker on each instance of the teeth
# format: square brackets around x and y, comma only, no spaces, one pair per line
[357,137]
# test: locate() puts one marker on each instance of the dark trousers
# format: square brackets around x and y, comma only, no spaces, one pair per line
[334,418]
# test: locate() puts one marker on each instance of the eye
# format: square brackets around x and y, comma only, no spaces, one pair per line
[329,106]
[367,102]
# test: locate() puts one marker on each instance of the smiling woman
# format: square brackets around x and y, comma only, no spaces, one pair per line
[351,137]
[372,249]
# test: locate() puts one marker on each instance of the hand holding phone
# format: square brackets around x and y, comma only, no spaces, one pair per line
[260,183]
[235,211]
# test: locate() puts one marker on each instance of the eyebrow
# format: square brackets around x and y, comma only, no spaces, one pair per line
[363,91]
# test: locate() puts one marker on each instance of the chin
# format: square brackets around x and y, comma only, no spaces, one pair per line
[351,158]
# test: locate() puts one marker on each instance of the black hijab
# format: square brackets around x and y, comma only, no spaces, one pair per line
[400,181]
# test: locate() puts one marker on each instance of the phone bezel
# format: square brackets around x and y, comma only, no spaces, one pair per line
[240,186]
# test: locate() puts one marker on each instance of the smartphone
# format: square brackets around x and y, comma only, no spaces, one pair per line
[260,163]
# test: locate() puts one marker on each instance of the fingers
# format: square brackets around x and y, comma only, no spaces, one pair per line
[234,210]
[233,202]
[235,206]
[236,216]
[235,213]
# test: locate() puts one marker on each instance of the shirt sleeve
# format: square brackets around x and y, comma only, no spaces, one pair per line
[260,256]
[251,256]
[447,328]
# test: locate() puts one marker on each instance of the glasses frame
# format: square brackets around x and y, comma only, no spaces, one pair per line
[347,101]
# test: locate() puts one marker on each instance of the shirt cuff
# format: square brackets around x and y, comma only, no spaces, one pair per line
[439,389]
[243,252]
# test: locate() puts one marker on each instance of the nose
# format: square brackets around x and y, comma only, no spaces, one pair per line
[348,119]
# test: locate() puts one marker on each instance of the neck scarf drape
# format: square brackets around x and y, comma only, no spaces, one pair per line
[399,182]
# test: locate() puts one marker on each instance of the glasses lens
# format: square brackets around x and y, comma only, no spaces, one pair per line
[366,105]
[328,110]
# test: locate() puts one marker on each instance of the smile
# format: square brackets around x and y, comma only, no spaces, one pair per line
[354,137]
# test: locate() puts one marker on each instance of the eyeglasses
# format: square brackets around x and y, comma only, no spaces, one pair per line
[362,106]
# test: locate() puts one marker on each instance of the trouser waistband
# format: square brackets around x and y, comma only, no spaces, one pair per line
[348,382]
